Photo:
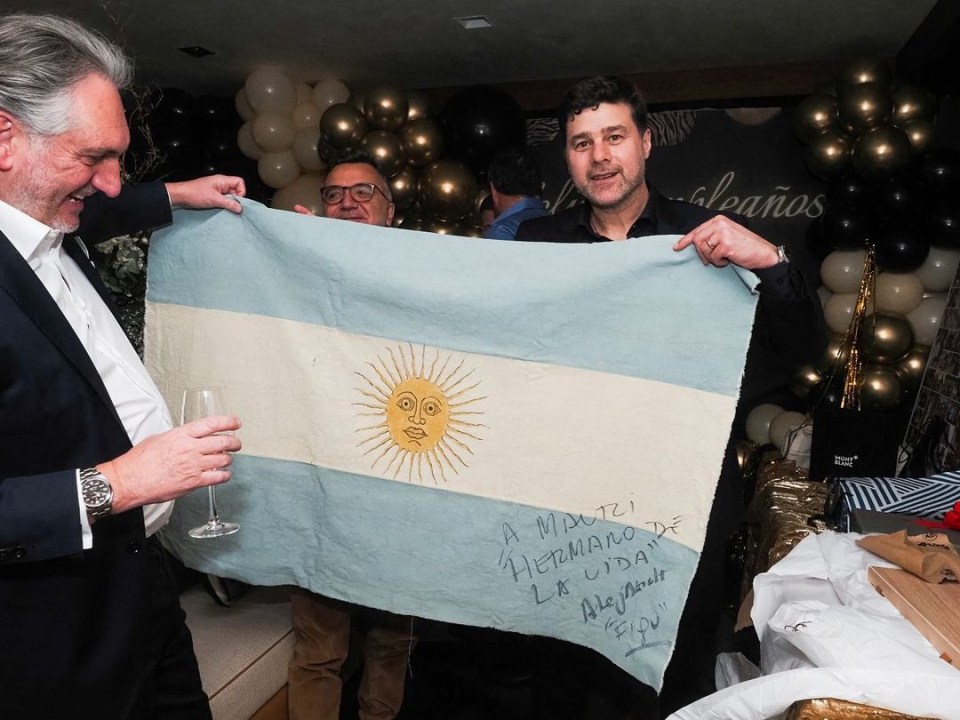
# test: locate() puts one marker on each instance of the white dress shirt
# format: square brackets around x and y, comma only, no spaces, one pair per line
[135,396]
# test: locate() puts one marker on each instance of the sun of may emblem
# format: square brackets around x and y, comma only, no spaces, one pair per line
[426,410]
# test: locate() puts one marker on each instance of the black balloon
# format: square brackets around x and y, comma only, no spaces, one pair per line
[939,170]
[814,115]
[911,102]
[899,198]
[864,106]
[943,224]
[174,105]
[901,249]
[865,70]
[213,112]
[847,227]
[817,245]
[847,188]
[479,122]
[828,154]
[825,394]
[881,152]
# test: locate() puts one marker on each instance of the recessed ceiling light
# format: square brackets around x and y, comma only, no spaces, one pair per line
[474,22]
[196,51]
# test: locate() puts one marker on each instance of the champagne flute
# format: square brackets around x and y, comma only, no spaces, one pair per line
[198,403]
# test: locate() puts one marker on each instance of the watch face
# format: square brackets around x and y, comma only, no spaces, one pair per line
[96,492]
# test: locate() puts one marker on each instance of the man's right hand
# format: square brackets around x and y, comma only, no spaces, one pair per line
[169,465]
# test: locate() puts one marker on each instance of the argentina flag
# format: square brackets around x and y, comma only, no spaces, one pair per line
[523,436]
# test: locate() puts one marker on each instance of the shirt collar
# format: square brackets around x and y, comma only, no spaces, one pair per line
[30,237]
[648,216]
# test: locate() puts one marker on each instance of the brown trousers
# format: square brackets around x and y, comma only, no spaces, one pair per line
[322,629]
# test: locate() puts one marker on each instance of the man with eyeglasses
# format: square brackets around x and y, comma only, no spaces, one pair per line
[355,191]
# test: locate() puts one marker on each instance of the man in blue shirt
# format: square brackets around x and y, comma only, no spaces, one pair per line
[515,191]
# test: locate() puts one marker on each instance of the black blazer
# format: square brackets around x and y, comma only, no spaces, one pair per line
[71,620]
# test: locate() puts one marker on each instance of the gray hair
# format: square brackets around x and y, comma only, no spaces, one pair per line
[42,57]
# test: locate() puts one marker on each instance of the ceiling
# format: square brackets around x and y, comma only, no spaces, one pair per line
[418,44]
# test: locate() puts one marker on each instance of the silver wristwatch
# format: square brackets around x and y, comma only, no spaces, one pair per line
[97,493]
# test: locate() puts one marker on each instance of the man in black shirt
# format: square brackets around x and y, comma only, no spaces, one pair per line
[607,144]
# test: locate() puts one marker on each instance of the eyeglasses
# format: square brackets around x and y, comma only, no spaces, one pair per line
[361,193]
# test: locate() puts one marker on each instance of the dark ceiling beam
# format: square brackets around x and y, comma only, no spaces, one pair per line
[682,87]
[931,56]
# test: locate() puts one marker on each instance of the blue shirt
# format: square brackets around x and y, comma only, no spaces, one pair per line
[505,225]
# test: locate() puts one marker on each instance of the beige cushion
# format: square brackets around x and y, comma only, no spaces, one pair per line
[243,650]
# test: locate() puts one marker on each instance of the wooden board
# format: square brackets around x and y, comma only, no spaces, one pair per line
[933,609]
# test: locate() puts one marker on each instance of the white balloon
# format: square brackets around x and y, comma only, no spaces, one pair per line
[329,92]
[270,90]
[279,169]
[273,131]
[939,269]
[303,92]
[758,422]
[898,292]
[838,311]
[842,270]
[242,105]
[824,294]
[305,190]
[306,115]
[925,319]
[305,150]
[782,425]
[248,146]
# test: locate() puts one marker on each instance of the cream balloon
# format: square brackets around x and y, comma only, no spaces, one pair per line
[305,190]
[842,270]
[783,425]
[242,106]
[925,319]
[329,92]
[838,311]
[306,115]
[304,92]
[278,169]
[270,90]
[898,292]
[939,269]
[273,131]
[758,422]
[824,294]
[306,149]
[248,146]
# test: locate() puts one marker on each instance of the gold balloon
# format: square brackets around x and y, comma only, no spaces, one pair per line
[803,379]
[441,228]
[419,105]
[828,154]
[422,141]
[881,388]
[861,107]
[911,102]
[911,366]
[865,70]
[885,338]
[921,133]
[814,115]
[342,126]
[385,108]
[384,147]
[447,190]
[835,357]
[881,152]
[408,222]
[403,185]
[471,231]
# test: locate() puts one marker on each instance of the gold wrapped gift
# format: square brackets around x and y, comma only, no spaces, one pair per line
[829,709]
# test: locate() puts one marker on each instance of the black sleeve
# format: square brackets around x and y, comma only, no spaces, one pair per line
[137,208]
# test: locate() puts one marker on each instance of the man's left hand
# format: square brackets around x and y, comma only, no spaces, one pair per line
[721,241]
[211,191]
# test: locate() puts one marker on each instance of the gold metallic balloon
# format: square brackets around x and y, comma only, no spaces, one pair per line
[921,134]
[403,185]
[912,102]
[408,222]
[384,147]
[442,228]
[385,108]
[828,154]
[881,388]
[447,190]
[881,152]
[911,366]
[422,141]
[865,70]
[885,338]
[814,115]
[419,105]
[834,358]
[471,231]
[861,107]
[342,126]
[803,379]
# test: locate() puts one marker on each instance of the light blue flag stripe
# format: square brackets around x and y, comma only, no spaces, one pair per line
[536,571]
[507,299]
